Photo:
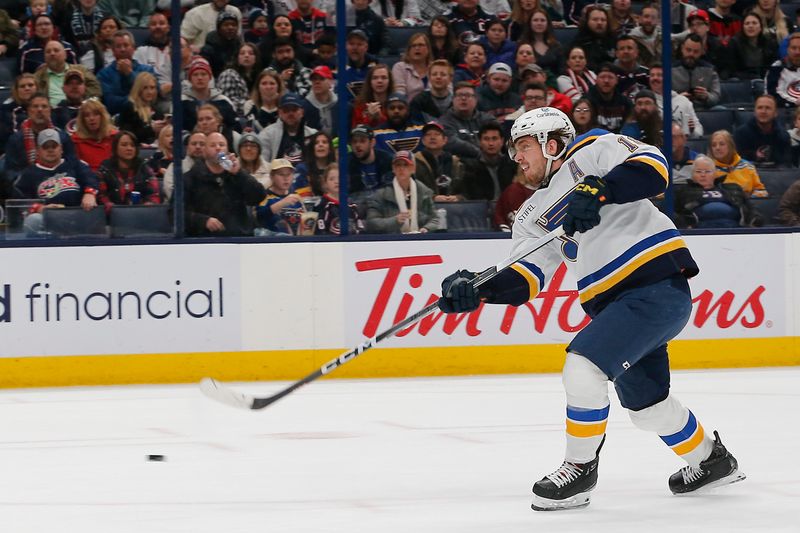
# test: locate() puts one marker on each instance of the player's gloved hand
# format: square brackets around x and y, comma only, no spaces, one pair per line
[583,211]
[458,294]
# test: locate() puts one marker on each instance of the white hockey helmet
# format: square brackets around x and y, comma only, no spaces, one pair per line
[539,123]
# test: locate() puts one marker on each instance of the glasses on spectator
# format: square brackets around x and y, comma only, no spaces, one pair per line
[536,98]
[582,109]
[465,95]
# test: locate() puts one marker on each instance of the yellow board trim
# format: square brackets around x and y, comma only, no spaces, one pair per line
[50,371]
[533,282]
[619,275]
[585,430]
[655,163]
[691,444]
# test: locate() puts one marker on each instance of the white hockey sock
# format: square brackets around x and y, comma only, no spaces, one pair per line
[587,407]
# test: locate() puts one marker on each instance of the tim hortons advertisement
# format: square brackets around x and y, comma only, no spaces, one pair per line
[739,293]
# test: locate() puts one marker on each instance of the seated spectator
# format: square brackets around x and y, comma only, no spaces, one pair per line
[621,18]
[522,59]
[328,208]
[237,80]
[752,51]
[133,13]
[125,173]
[21,147]
[325,53]
[9,35]
[633,77]
[258,26]
[65,113]
[199,21]
[794,138]
[165,72]
[724,22]
[282,209]
[468,20]
[577,79]
[712,50]
[486,177]
[283,31]
[223,43]
[512,198]
[195,151]
[209,120]
[118,76]
[647,124]
[296,77]
[51,76]
[251,160]
[496,45]
[368,169]
[682,156]
[496,97]
[595,37]
[613,109]
[433,102]
[359,62]
[472,69]
[32,55]
[789,206]
[318,153]
[535,74]
[14,110]
[58,181]
[682,109]
[648,34]
[286,137]
[463,121]
[548,52]
[322,100]
[369,107]
[410,75]
[722,148]
[99,52]
[83,20]
[762,139]
[694,78]
[534,96]
[706,202]
[308,23]
[444,42]
[400,13]
[784,75]
[139,115]
[219,201]
[160,161]
[372,24]
[437,168]
[261,109]
[400,131]
[201,93]
[520,18]
[584,116]
[156,49]
[774,22]
[405,206]
[94,134]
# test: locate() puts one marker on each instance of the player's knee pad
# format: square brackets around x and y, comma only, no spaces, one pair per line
[586,385]
[664,418]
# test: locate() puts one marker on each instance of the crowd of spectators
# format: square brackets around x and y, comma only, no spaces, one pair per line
[428,118]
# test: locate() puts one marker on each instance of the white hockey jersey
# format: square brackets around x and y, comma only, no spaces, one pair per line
[634,243]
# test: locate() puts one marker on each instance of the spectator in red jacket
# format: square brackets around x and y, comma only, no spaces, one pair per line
[94,133]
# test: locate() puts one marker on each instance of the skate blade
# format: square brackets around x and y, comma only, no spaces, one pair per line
[575,502]
[734,477]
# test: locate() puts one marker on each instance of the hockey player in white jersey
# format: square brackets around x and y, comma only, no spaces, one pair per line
[632,267]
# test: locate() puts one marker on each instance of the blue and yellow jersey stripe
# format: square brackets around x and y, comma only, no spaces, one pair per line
[687,439]
[656,161]
[585,423]
[532,275]
[582,141]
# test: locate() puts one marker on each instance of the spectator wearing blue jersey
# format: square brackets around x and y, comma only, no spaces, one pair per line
[400,131]
[369,169]
[117,78]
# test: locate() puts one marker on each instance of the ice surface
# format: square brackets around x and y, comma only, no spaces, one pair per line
[407,455]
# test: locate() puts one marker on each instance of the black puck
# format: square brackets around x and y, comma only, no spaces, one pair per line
[156,458]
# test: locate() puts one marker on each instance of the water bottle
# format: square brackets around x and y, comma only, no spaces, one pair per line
[224,162]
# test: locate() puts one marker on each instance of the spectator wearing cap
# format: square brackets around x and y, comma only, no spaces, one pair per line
[713,51]
[368,168]
[535,74]
[117,78]
[359,61]
[51,76]
[400,131]
[498,48]
[74,95]
[434,101]
[595,37]
[219,201]
[682,109]
[286,137]
[296,77]
[222,44]
[463,121]
[633,77]
[32,53]
[695,78]
[56,180]
[308,23]
[200,20]
[646,124]
[473,67]
[252,162]
[468,20]
[783,75]
[437,168]
[372,24]
[258,26]
[201,92]
[724,22]
[613,109]
[238,79]
[369,107]
[496,97]
[323,101]
[410,75]
[282,209]
[762,139]
[405,205]
[487,176]
[577,78]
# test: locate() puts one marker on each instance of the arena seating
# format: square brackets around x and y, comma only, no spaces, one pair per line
[466,217]
[716,120]
[140,221]
[738,93]
[74,222]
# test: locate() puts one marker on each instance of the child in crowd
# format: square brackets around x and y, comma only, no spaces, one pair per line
[281,211]
[328,208]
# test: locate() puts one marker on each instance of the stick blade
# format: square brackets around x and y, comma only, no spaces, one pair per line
[224,394]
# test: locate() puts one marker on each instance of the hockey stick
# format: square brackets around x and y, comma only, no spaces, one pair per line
[222,393]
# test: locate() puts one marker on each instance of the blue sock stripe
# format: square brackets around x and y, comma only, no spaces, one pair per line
[684,434]
[579,414]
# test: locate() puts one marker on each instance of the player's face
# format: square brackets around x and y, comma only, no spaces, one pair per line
[530,159]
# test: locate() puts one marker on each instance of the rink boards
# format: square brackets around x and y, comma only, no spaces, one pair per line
[177,313]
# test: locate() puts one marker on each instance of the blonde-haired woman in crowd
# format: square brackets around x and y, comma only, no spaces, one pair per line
[139,114]
[162,159]
[94,133]
[411,74]
[722,148]
[261,109]
[775,20]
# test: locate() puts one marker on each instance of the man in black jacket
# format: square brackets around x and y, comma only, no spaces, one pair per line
[485,178]
[762,139]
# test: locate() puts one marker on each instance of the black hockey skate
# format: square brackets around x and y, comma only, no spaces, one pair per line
[568,487]
[719,469]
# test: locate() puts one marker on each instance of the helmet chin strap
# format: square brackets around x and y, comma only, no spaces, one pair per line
[550,160]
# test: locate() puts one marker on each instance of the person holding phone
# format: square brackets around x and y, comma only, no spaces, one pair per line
[695,78]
